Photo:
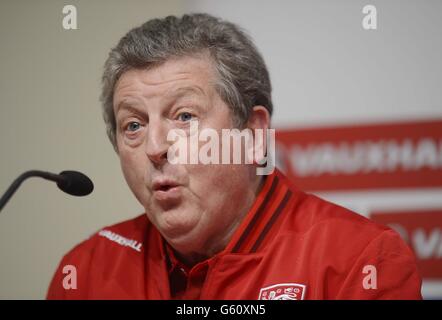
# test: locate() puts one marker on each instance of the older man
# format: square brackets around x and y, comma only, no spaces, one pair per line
[217,231]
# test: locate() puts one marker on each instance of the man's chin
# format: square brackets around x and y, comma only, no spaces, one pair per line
[174,221]
[175,229]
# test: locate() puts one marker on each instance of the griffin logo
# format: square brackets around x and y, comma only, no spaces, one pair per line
[283,291]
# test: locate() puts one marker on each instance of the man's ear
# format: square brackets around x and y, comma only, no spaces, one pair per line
[259,118]
[259,122]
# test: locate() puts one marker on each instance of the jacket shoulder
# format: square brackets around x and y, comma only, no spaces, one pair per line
[117,234]
[350,244]
[314,212]
[120,238]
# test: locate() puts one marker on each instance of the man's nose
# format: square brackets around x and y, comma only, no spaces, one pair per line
[156,144]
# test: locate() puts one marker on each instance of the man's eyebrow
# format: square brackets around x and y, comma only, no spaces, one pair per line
[126,106]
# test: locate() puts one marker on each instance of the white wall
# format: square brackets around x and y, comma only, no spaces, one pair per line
[50,119]
[326,70]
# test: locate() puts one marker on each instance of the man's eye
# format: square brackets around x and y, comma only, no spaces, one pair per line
[185,116]
[133,126]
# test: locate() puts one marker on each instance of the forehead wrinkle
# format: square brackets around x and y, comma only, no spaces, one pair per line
[178,92]
[140,84]
[148,81]
[149,89]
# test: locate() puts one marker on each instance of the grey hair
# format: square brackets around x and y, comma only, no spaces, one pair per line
[243,80]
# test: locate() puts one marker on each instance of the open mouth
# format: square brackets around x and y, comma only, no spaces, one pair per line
[165,187]
[166,190]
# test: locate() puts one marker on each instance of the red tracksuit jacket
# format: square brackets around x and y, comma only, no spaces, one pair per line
[291,245]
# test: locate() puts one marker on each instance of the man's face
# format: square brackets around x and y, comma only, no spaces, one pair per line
[191,205]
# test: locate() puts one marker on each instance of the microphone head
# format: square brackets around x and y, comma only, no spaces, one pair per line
[75,183]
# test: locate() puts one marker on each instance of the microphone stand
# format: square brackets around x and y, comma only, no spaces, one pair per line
[28,174]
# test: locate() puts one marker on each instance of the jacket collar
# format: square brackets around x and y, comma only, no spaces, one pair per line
[275,196]
[260,222]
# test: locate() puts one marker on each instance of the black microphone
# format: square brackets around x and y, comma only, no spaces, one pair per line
[72,182]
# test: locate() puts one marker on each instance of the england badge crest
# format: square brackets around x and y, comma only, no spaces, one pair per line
[283,291]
